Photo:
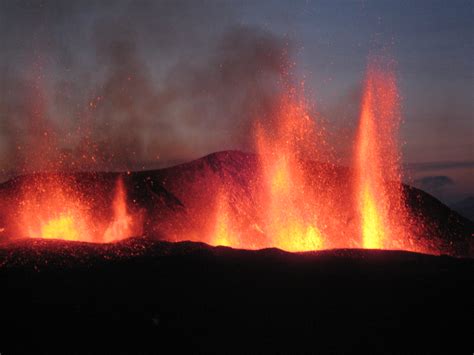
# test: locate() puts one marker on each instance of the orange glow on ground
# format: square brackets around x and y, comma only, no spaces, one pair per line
[51,208]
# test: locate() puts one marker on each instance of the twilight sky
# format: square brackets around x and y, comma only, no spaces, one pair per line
[147,83]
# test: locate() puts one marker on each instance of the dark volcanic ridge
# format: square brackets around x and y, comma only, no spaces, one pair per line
[176,200]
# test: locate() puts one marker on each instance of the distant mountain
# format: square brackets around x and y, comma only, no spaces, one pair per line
[465,207]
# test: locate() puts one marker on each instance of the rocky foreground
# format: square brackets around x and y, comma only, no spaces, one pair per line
[145,296]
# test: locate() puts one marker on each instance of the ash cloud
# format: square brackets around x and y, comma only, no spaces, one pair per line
[87,86]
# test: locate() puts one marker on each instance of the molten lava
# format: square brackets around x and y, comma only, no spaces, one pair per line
[292,196]
[123,225]
[291,214]
[63,227]
[223,233]
[379,199]
[52,208]
[300,209]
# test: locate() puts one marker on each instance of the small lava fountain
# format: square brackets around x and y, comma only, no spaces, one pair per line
[51,207]
[223,232]
[123,224]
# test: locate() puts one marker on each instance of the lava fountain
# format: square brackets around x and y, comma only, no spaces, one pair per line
[291,217]
[223,232]
[291,196]
[123,224]
[52,207]
[378,196]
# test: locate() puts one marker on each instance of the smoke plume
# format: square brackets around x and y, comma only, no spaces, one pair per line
[146,84]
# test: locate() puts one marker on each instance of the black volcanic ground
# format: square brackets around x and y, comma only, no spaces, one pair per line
[144,296]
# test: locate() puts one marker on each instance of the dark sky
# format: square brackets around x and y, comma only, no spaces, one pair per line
[147,83]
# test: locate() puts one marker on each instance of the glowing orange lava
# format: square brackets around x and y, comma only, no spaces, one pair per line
[223,233]
[291,216]
[300,209]
[292,195]
[52,208]
[63,227]
[379,199]
[123,224]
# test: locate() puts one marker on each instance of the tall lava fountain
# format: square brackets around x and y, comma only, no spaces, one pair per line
[379,200]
